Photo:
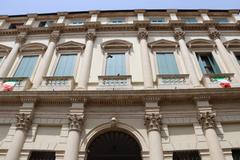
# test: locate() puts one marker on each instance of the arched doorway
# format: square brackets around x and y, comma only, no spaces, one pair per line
[114,145]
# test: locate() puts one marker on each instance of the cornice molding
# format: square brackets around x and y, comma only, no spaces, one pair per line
[70,45]
[33,47]
[5,49]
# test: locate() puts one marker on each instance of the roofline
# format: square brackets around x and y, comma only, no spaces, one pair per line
[127,10]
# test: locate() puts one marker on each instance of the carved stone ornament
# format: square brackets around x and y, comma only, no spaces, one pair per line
[179,34]
[23,121]
[54,36]
[142,34]
[153,121]
[207,120]
[90,36]
[75,122]
[214,33]
[21,38]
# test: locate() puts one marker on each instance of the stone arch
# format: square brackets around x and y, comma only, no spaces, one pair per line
[116,44]
[200,43]
[5,49]
[33,47]
[109,127]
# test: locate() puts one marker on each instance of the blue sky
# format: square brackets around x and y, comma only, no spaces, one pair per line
[12,7]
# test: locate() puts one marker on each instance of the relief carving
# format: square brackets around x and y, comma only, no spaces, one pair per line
[75,121]
[207,119]
[23,121]
[153,121]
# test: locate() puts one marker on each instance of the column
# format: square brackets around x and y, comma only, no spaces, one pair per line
[76,121]
[9,61]
[87,60]
[153,124]
[45,62]
[146,65]
[75,125]
[208,122]
[179,35]
[215,35]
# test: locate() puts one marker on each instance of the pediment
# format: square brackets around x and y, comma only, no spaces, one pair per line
[5,49]
[33,47]
[200,43]
[71,45]
[162,43]
[235,43]
[116,44]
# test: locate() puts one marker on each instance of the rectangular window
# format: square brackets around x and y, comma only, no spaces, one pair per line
[1,59]
[66,64]
[237,55]
[116,64]
[14,25]
[236,154]
[76,22]
[157,20]
[186,155]
[42,155]
[26,66]
[221,20]
[189,20]
[207,63]
[45,23]
[167,63]
[117,21]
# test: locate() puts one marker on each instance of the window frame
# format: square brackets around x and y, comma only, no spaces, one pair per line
[188,22]
[111,20]
[216,20]
[48,22]
[157,18]
[70,22]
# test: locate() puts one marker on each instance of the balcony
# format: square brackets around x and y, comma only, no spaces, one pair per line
[63,83]
[173,81]
[115,82]
[21,83]
[210,80]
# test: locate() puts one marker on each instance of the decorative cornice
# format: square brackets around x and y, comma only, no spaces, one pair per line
[70,45]
[23,121]
[214,33]
[207,120]
[75,122]
[153,121]
[21,38]
[179,34]
[142,34]
[33,47]
[90,36]
[54,36]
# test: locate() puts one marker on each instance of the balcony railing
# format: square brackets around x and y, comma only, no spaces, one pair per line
[211,80]
[58,83]
[21,83]
[115,82]
[173,81]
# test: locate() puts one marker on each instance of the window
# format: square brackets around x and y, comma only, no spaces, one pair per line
[76,22]
[66,65]
[157,20]
[1,59]
[237,55]
[26,66]
[167,63]
[190,20]
[186,155]
[221,20]
[14,25]
[41,155]
[116,64]
[45,23]
[117,21]
[207,63]
[236,154]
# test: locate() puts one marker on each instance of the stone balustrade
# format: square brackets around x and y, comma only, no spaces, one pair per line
[115,82]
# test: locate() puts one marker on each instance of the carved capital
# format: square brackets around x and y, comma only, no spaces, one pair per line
[54,36]
[179,34]
[75,121]
[21,38]
[214,33]
[23,121]
[91,36]
[142,34]
[207,119]
[153,121]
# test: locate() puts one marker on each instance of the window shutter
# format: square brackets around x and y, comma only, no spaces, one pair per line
[26,66]
[167,63]
[116,64]
[66,64]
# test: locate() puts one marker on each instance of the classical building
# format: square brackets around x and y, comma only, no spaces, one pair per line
[120,85]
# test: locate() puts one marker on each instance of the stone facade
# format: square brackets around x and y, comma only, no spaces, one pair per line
[164,113]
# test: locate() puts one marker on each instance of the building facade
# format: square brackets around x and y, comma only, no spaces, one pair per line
[132,84]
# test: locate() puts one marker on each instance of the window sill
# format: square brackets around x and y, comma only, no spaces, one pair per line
[21,83]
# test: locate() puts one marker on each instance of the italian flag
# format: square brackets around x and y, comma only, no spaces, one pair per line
[7,86]
[223,82]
